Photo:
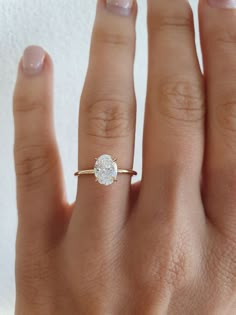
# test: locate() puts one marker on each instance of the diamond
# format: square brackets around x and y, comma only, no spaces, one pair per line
[105,170]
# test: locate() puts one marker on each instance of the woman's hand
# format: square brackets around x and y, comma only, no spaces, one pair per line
[168,244]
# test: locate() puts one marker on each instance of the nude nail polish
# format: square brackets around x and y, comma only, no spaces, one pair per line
[121,7]
[33,60]
[225,4]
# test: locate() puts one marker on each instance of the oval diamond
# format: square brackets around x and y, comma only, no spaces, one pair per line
[105,170]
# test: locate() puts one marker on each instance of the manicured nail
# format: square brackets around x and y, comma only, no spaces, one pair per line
[122,7]
[225,4]
[33,60]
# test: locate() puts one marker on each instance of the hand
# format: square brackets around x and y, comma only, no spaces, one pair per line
[166,245]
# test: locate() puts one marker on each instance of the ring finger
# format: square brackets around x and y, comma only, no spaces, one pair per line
[107,114]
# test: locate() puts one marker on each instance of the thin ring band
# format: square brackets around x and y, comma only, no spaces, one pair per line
[92,172]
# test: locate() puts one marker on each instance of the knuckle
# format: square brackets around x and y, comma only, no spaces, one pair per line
[225,121]
[32,162]
[171,21]
[34,268]
[182,101]
[226,115]
[223,38]
[109,119]
[34,271]
[175,263]
[171,268]
[118,38]
[24,104]
[222,265]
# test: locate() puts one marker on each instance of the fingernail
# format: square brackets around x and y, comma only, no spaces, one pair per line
[122,7]
[33,60]
[225,4]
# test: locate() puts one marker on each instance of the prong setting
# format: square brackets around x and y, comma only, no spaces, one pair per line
[105,170]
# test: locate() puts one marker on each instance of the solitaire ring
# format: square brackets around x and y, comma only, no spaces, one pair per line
[105,170]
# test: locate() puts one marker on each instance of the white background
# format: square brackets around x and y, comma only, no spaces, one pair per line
[63,28]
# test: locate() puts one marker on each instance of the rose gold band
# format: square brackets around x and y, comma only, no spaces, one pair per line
[92,172]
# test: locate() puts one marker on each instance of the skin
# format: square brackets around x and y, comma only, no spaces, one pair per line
[166,245]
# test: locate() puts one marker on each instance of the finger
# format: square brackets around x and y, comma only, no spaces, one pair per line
[40,191]
[218,36]
[174,123]
[107,111]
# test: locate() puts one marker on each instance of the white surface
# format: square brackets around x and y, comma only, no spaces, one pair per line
[63,28]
